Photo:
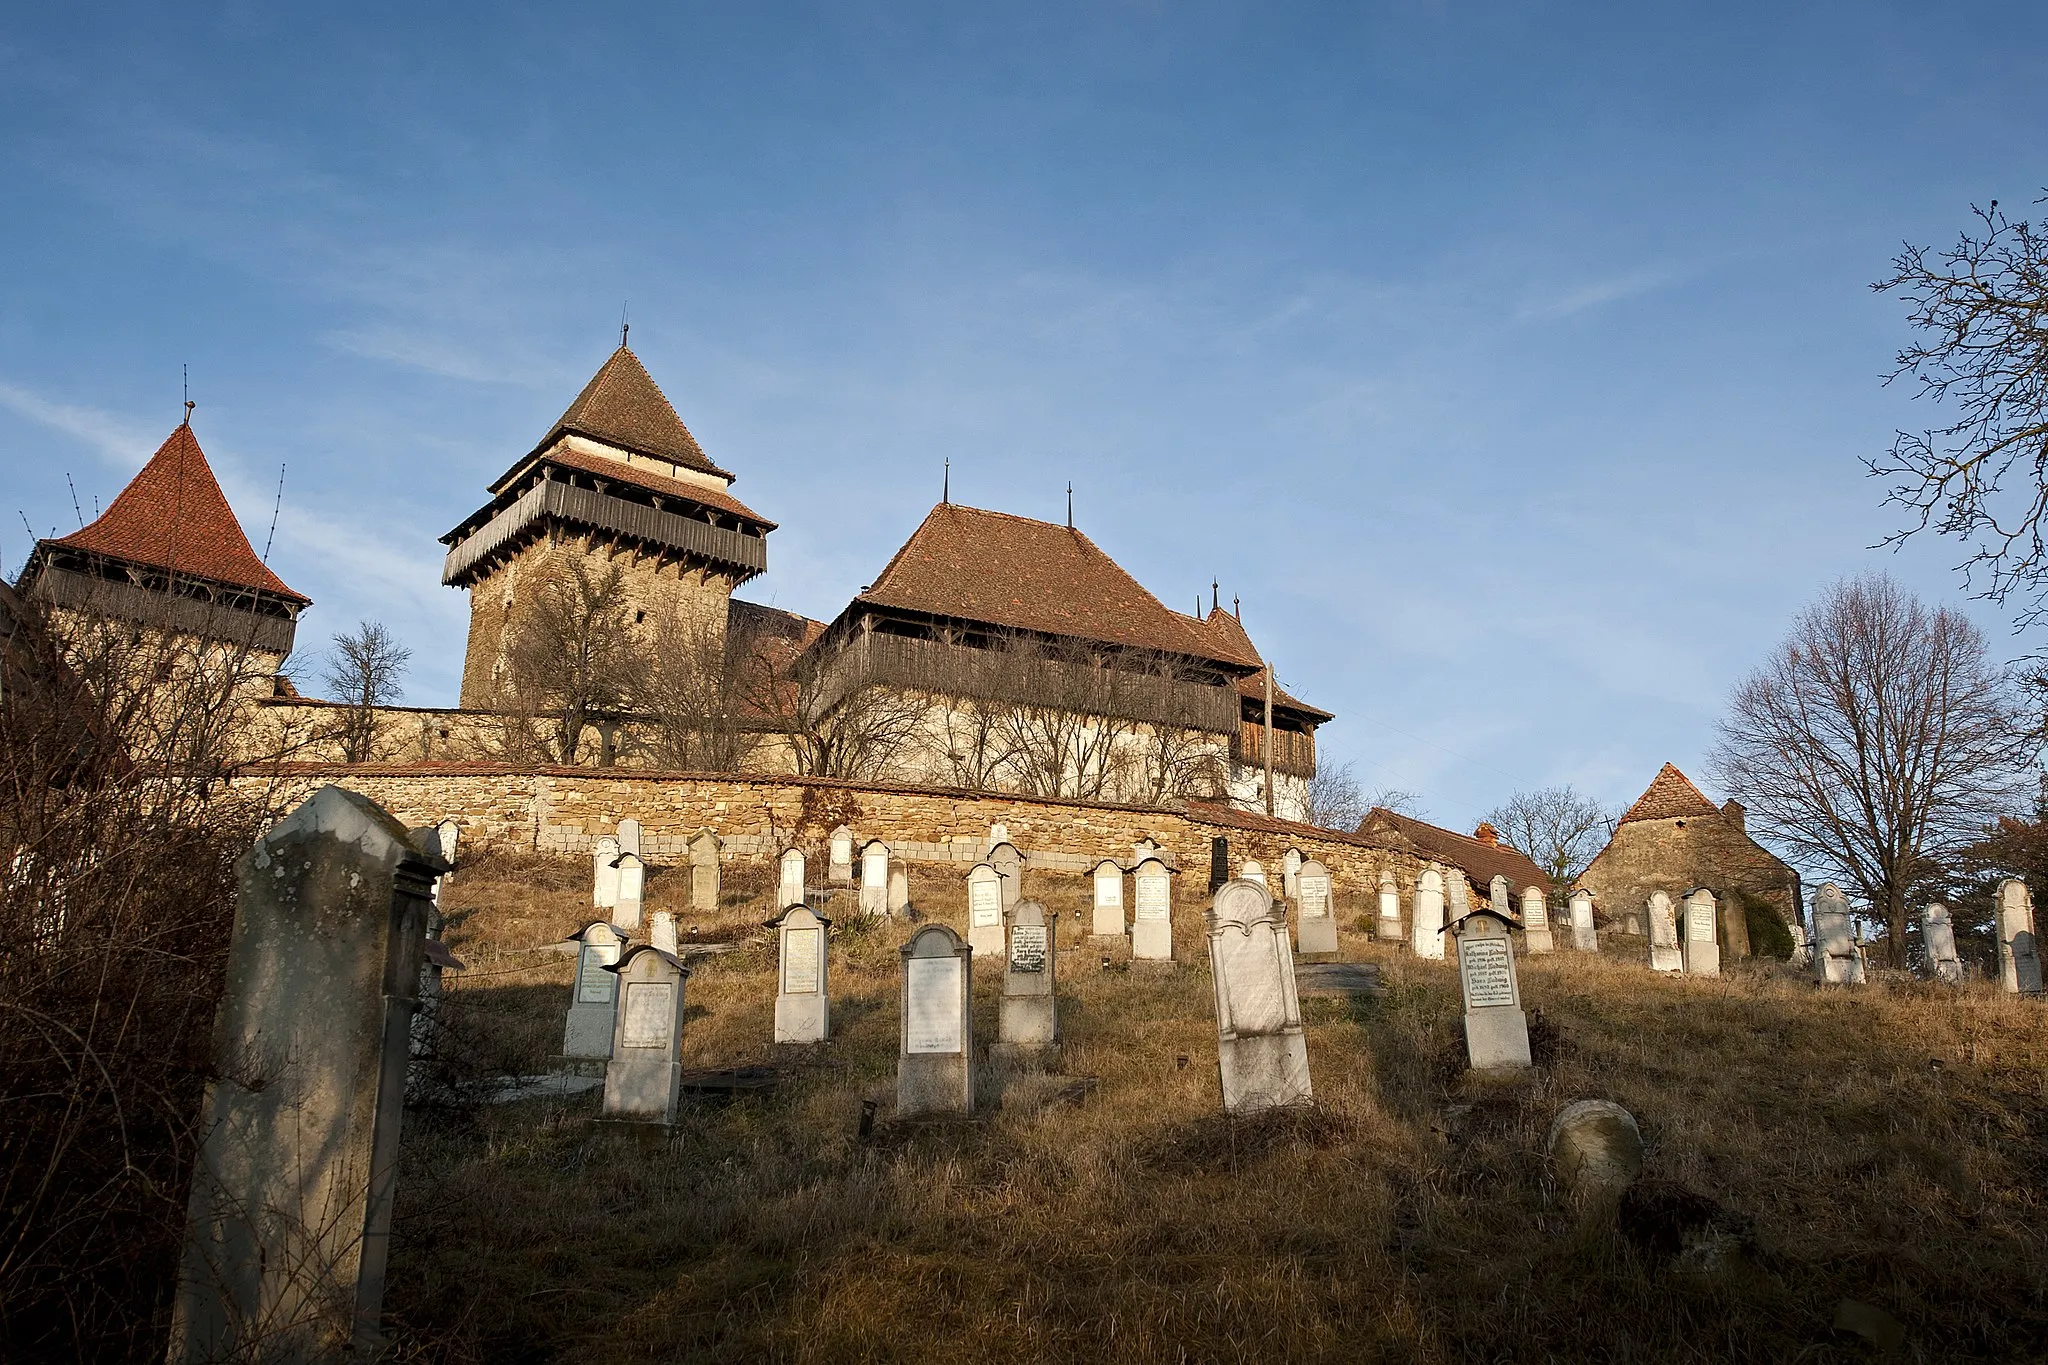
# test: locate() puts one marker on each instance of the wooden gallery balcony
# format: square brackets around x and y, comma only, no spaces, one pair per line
[1294,751]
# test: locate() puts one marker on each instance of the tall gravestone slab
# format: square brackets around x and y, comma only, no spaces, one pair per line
[803,1010]
[1665,954]
[1108,883]
[839,855]
[1029,1026]
[1315,916]
[661,932]
[289,1217]
[632,890]
[2019,955]
[998,833]
[1427,923]
[704,875]
[935,1056]
[1702,924]
[1219,863]
[1536,920]
[874,878]
[645,1076]
[1389,930]
[1497,897]
[899,889]
[629,838]
[789,886]
[1835,959]
[1802,951]
[1457,894]
[1152,912]
[985,911]
[1585,935]
[1938,942]
[594,998]
[604,873]
[1496,1026]
[438,841]
[1290,873]
[1009,865]
[1261,1051]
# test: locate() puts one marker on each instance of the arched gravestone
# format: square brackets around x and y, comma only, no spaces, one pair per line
[1835,959]
[604,873]
[661,931]
[704,877]
[998,834]
[1585,937]
[1108,883]
[1261,1052]
[985,911]
[1938,942]
[1496,1027]
[1702,947]
[1029,1020]
[1664,953]
[1009,865]
[1315,919]
[1152,912]
[1290,872]
[1536,920]
[874,878]
[629,837]
[839,855]
[1497,897]
[1389,928]
[2019,956]
[1427,923]
[1252,871]
[789,888]
[632,887]
[593,999]
[645,1074]
[935,1047]
[802,994]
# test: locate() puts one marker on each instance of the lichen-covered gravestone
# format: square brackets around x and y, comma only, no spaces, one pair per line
[1835,959]
[839,855]
[899,889]
[789,888]
[1427,923]
[1938,941]
[1496,1028]
[1029,1028]
[289,1216]
[1009,865]
[632,887]
[1290,873]
[874,878]
[1261,1051]
[2019,956]
[1597,1151]
[593,1000]
[1664,951]
[1316,920]
[935,1060]
[802,998]
[646,1071]
[1109,900]
[1702,948]
[1585,936]
[1536,920]
[1152,912]
[985,911]
[604,873]
[704,879]
[1389,930]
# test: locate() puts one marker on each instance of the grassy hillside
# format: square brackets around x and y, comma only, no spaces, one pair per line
[1887,1146]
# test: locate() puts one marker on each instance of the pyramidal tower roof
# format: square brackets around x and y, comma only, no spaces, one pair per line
[1671,796]
[173,516]
[623,406]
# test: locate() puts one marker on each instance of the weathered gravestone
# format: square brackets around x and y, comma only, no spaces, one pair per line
[661,932]
[704,876]
[604,873]
[1632,925]
[1597,1151]
[1496,1028]
[1835,959]
[802,1000]
[1702,920]
[1802,952]
[1938,943]
[1457,894]
[1290,873]
[1029,1026]
[1261,1051]
[1497,897]
[1427,922]
[789,887]
[2019,956]
[1109,900]
[646,1071]
[874,878]
[438,841]
[1664,951]
[1252,872]
[593,1000]
[629,837]
[1152,912]
[1009,865]
[632,887]
[289,1218]
[1219,863]
[899,889]
[998,833]
[1389,930]
[1316,919]
[839,856]
[1585,935]
[1536,920]
[935,1063]
[985,911]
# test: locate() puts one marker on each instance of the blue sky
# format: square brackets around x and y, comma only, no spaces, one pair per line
[1511,362]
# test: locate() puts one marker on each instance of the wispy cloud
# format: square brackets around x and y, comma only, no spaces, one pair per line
[1553,306]
[429,354]
[121,443]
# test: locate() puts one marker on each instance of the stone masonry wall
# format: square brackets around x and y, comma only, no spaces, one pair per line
[1675,856]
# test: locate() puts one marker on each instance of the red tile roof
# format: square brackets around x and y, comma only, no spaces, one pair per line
[622,406]
[620,472]
[173,516]
[1479,860]
[1671,796]
[1230,638]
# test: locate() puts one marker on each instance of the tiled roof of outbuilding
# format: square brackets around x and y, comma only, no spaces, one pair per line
[1671,796]
[1480,861]
[623,406]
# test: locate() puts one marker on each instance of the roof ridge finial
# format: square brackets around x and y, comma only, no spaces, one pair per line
[1214,603]
[946,484]
[1070,504]
[625,326]
[189,404]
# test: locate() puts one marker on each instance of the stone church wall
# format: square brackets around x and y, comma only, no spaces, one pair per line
[1674,856]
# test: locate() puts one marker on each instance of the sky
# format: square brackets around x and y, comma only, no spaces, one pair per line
[1511,364]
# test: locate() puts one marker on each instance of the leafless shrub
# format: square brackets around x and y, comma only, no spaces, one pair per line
[694,696]
[1560,828]
[365,670]
[574,654]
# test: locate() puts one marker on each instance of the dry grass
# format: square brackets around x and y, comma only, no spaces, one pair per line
[1886,1146]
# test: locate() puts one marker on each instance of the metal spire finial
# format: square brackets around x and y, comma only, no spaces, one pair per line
[946,484]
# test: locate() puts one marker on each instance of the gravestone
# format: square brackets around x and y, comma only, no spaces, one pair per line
[802,997]
[998,834]
[899,890]
[789,886]
[935,1057]
[985,911]
[1802,951]
[1835,959]
[1496,1028]
[704,847]
[1597,1150]
[1290,873]
[874,878]
[1219,863]
[1029,1022]
[839,859]
[1497,897]
[288,1225]
[1536,920]
[1457,894]
[646,1071]
[1261,1051]
[438,840]
[1632,925]
[2019,956]
[1735,944]
[1009,865]
[661,932]
[1702,921]
[1665,955]
[593,999]
[604,873]
[1585,935]
[1109,900]
[1152,912]
[1315,918]
[632,886]
[1252,872]
[629,837]
[1389,930]
[1427,923]
[1938,942]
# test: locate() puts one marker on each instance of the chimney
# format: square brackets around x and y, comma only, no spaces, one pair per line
[1737,814]
[1487,834]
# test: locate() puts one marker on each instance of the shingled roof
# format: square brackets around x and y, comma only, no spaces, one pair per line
[1479,860]
[1671,797]
[173,516]
[623,406]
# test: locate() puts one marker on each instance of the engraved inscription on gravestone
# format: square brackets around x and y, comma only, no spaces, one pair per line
[1315,894]
[1484,964]
[1252,984]
[1699,921]
[935,987]
[650,1010]
[1027,947]
[800,962]
[1152,897]
[594,985]
[985,904]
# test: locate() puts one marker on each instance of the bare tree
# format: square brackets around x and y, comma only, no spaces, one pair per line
[694,695]
[833,728]
[1335,800]
[1875,744]
[1560,828]
[574,654]
[1983,478]
[365,670]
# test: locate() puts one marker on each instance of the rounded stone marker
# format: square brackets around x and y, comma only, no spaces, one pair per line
[1597,1150]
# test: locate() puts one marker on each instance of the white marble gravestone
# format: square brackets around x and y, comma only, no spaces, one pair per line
[704,848]
[1938,944]
[1835,959]
[1585,935]
[789,886]
[899,889]
[874,878]
[935,1048]
[1315,915]
[1009,865]
[1427,921]
[998,833]
[1665,955]
[1536,920]
[1261,1051]
[1457,894]
[1497,897]
[604,873]
[645,1074]
[802,995]
[1152,912]
[1389,930]
[1290,872]
[1109,900]
[661,932]
[1802,952]
[1029,1025]
[839,858]
[1496,1027]
[1252,872]
[593,999]
[985,911]
[629,837]
[1702,921]
[632,888]
[2019,956]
